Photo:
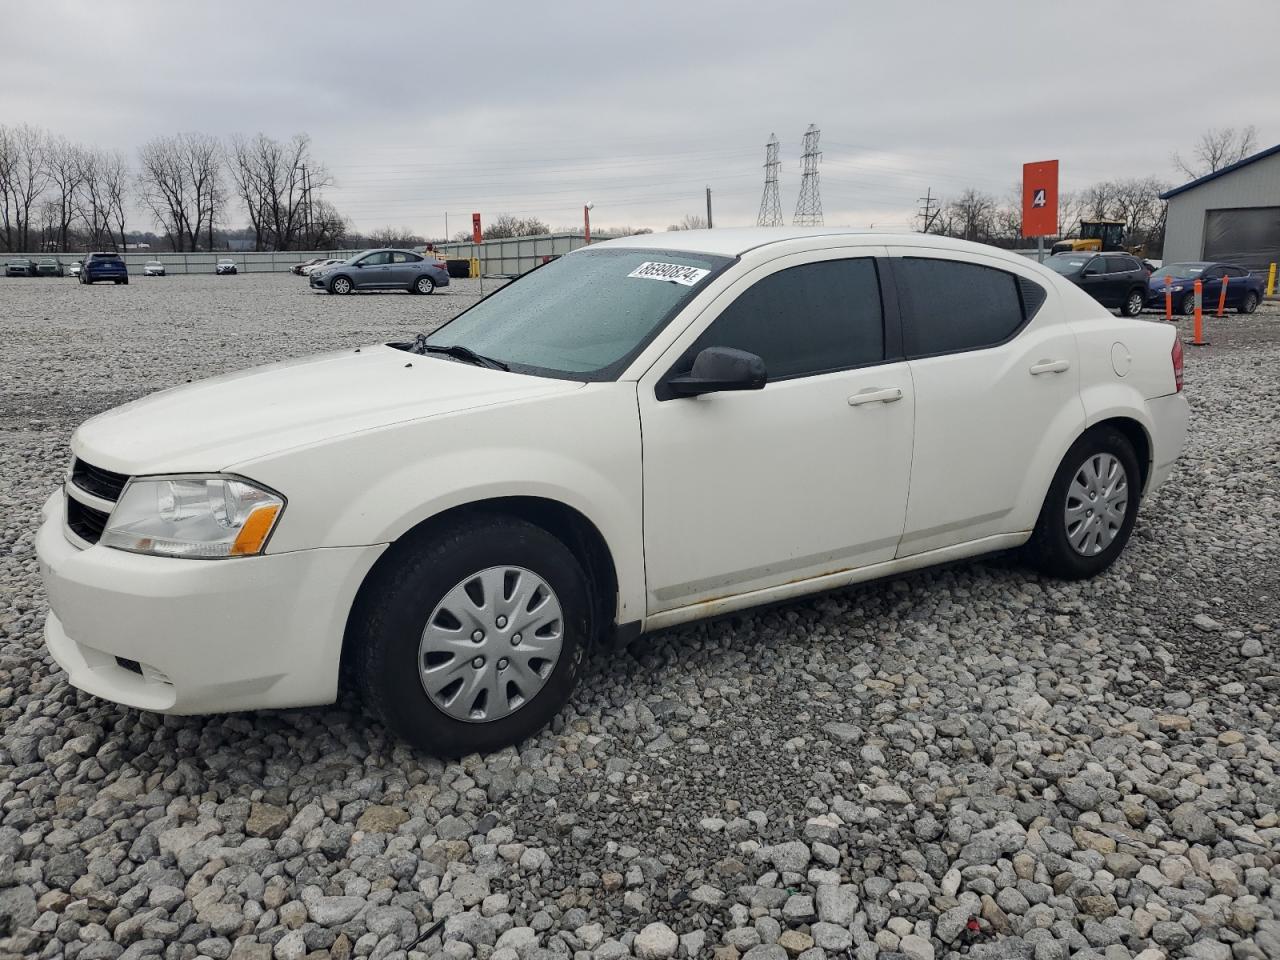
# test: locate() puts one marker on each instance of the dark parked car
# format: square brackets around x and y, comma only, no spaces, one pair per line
[104,266]
[1115,280]
[49,267]
[382,270]
[1244,289]
[20,267]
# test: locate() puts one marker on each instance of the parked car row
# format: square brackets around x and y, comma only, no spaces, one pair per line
[1122,281]
[95,267]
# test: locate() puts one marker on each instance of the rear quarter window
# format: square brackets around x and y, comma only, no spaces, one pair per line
[951,306]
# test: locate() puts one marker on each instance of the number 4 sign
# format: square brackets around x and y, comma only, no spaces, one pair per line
[1040,198]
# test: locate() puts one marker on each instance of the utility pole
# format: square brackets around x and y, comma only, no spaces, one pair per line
[306,204]
[446,226]
[928,214]
[770,204]
[708,208]
[809,206]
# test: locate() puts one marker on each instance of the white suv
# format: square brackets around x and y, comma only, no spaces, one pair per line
[642,433]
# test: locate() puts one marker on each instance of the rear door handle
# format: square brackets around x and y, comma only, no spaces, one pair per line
[1049,366]
[876,395]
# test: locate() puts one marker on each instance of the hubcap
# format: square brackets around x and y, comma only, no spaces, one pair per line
[490,644]
[1135,304]
[1097,500]
[342,286]
[425,284]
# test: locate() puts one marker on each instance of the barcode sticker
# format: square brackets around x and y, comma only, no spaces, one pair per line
[672,272]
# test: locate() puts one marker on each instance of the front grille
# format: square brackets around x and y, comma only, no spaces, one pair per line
[84,521]
[99,482]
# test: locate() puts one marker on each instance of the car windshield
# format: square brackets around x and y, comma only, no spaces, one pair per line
[1066,264]
[1180,271]
[584,315]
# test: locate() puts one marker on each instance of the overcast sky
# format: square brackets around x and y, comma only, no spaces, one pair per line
[418,109]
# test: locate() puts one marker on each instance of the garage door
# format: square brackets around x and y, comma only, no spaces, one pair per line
[1249,236]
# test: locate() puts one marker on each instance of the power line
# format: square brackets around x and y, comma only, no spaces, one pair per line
[809,205]
[770,202]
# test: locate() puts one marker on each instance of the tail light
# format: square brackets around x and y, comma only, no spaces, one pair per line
[1177,363]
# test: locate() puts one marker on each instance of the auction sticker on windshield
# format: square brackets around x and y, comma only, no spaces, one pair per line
[675,272]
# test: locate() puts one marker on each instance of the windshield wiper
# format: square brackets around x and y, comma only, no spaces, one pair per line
[458,352]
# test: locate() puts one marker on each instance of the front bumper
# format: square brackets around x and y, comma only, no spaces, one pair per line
[197,636]
[1169,417]
[317,283]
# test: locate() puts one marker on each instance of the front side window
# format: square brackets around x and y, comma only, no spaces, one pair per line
[951,305]
[805,320]
[377,259]
[584,315]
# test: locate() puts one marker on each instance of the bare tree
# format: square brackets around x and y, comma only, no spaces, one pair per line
[690,221]
[507,225]
[277,184]
[1071,207]
[103,177]
[180,183]
[24,178]
[114,171]
[1218,148]
[971,216]
[66,166]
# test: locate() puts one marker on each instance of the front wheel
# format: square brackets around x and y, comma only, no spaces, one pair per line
[424,285]
[340,285]
[1189,305]
[1249,304]
[472,640]
[1134,303]
[1090,509]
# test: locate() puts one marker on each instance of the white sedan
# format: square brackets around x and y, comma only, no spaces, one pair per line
[642,433]
[153,268]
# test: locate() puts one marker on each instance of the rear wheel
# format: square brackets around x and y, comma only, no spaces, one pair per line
[1090,509]
[340,285]
[1189,305]
[472,640]
[424,285]
[1134,303]
[1249,303]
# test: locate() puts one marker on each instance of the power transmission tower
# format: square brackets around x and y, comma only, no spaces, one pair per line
[770,203]
[809,206]
[929,212]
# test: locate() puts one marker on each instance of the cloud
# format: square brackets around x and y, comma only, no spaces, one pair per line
[419,109]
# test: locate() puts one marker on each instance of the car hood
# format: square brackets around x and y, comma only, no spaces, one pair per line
[240,417]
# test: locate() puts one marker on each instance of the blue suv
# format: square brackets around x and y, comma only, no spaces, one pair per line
[104,266]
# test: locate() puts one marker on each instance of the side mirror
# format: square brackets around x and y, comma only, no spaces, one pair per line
[1091,272]
[720,368]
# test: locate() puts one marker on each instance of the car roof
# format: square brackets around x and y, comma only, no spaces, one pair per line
[735,241]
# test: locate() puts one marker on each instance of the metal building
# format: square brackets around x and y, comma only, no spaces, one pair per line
[1232,214]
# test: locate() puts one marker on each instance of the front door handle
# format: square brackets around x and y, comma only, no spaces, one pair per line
[1050,366]
[876,395]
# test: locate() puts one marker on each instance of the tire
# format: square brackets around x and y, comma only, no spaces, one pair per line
[341,285]
[424,285]
[1050,549]
[388,639]
[1188,306]
[1134,303]
[1249,303]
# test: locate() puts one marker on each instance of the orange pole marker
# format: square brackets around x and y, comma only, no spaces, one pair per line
[1168,298]
[1199,340]
[1222,296]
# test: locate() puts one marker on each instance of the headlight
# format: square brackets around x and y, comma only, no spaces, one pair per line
[1176,287]
[196,517]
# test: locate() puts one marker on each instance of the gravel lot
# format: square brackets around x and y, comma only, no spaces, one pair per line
[1089,770]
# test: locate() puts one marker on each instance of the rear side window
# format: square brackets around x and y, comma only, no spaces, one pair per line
[1236,272]
[805,320]
[1121,264]
[949,306]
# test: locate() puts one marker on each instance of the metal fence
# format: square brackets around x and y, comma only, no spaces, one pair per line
[203,262]
[512,256]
